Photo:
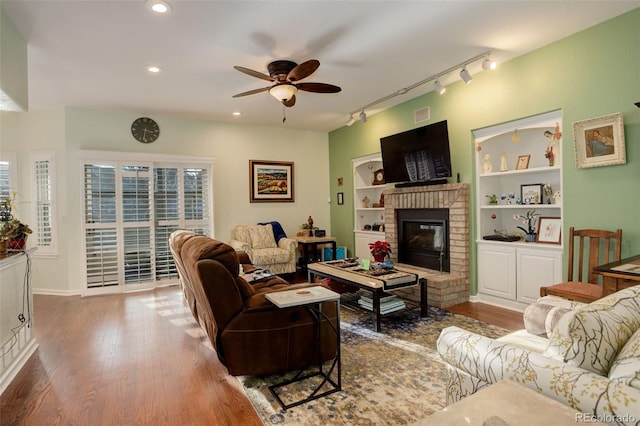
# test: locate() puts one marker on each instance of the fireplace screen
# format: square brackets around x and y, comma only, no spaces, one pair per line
[423,236]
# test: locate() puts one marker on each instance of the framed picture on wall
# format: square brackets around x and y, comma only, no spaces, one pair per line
[549,230]
[599,141]
[270,181]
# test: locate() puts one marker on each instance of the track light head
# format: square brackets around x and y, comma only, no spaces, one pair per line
[351,120]
[363,117]
[438,87]
[489,64]
[465,76]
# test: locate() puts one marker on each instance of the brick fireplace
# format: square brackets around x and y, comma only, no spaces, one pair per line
[444,288]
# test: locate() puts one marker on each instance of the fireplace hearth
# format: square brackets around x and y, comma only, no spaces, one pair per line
[448,285]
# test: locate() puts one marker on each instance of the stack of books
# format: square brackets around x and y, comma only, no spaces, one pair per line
[388,303]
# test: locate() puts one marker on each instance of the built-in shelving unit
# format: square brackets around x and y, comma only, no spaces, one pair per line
[510,274]
[368,205]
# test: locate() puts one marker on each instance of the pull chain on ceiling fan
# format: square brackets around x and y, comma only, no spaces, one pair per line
[285,74]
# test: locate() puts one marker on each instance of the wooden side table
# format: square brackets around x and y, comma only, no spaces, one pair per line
[310,245]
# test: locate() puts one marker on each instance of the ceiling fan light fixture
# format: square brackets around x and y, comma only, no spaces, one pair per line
[465,76]
[363,117]
[438,87]
[283,92]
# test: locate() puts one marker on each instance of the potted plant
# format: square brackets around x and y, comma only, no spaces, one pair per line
[528,219]
[380,250]
[12,231]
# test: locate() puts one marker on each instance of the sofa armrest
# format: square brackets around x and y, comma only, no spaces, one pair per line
[288,244]
[489,361]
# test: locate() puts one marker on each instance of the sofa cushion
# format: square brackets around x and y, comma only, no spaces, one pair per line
[270,256]
[262,237]
[241,233]
[591,336]
[626,367]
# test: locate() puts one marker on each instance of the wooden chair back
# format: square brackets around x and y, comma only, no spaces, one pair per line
[599,244]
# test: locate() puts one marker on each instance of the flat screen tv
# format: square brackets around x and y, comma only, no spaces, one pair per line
[417,156]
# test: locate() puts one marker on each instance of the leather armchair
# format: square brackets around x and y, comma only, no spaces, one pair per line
[250,334]
[259,243]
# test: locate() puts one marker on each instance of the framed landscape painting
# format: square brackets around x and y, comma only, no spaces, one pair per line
[599,141]
[270,181]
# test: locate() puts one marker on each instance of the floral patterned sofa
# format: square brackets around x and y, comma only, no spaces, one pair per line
[590,359]
[278,255]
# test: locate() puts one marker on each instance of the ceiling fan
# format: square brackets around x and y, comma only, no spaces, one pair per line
[285,75]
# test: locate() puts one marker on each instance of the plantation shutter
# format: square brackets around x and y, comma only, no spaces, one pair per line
[44,208]
[130,211]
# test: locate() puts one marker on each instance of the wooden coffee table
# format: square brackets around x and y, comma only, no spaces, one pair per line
[376,286]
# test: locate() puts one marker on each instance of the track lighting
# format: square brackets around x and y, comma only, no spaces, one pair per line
[465,76]
[351,120]
[489,64]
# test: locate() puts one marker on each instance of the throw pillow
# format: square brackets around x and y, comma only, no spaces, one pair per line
[591,337]
[540,318]
[262,237]
[278,232]
[625,368]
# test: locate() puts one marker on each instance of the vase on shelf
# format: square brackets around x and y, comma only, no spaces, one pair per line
[530,238]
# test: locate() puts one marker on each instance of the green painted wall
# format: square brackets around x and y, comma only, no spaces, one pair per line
[589,74]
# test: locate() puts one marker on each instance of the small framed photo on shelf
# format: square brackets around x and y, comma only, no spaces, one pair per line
[531,193]
[599,141]
[523,162]
[549,230]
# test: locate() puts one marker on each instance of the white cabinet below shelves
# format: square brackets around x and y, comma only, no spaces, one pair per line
[511,274]
[362,240]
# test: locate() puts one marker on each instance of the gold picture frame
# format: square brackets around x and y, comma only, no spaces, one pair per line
[599,141]
[270,181]
[523,162]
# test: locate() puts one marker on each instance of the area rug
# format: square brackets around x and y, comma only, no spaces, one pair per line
[392,377]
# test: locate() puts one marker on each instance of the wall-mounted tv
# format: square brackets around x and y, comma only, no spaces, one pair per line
[417,156]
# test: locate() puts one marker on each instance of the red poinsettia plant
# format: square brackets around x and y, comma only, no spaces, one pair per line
[380,248]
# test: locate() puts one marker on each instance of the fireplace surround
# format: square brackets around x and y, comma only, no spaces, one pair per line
[443,288]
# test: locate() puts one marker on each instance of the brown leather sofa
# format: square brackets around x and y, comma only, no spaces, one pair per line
[250,334]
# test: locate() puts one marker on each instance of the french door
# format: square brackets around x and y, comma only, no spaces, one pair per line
[130,209]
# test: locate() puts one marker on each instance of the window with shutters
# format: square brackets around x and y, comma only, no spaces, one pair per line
[44,230]
[130,209]
[7,175]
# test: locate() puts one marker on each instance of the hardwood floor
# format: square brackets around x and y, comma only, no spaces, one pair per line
[139,359]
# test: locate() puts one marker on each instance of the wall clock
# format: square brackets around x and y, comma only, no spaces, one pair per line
[145,130]
[378,177]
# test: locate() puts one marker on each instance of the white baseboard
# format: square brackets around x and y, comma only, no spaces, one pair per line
[54,292]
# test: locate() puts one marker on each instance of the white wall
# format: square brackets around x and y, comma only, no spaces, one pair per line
[231,145]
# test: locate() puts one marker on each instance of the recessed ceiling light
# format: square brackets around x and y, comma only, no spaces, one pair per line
[154,69]
[160,7]
[237,113]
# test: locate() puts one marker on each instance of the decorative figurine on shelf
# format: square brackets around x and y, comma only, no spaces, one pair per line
[487,167]
[503,162]
[557,198]
[310,223]
[365,202]
[548,192]
[493,198]
[552,152]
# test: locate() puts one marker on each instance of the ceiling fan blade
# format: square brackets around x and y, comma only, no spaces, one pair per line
[289,103]
[303,70]
[318,87]
[253,73]
[252,92]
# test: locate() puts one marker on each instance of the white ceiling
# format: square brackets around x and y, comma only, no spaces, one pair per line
[93,53]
